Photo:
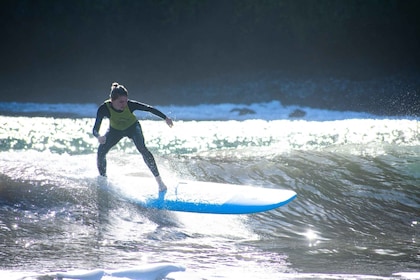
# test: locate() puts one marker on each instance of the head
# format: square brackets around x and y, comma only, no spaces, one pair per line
[118,96]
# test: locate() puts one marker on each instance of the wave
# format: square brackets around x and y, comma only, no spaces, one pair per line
[73,136]
[356,209]
[273,110]
[349,207]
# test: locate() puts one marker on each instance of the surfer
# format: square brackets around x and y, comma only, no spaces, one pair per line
[123,123]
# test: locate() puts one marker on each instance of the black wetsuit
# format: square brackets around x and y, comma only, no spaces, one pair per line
[134,132]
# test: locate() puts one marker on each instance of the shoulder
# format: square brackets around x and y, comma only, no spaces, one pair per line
[105,105]
[136,105]
[104,108]
[131,101]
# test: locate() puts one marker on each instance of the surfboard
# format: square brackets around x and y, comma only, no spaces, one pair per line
[206,197]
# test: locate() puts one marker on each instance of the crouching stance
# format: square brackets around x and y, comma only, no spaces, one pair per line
[123,123]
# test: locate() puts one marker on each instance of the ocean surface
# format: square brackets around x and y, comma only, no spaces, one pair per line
[356,175]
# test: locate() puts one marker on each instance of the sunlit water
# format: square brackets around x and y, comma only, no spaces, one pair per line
[356,216]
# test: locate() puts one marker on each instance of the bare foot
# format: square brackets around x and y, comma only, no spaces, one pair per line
[162,186]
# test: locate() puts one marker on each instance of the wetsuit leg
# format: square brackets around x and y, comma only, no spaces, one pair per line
[135,132]
[112,138]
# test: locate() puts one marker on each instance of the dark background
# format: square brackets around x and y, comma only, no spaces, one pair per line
[71,51]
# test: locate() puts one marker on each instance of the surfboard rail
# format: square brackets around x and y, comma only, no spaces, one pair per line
[210,198]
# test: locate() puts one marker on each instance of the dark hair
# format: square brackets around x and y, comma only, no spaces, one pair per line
[117,90]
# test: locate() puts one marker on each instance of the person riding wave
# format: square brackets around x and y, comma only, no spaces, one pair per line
[123,123]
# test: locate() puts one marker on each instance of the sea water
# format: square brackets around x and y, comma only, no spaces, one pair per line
[356,215]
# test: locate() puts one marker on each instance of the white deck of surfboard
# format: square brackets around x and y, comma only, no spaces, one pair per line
[202,197]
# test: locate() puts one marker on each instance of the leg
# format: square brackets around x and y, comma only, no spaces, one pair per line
[112,139]
[137,136]
[148,158]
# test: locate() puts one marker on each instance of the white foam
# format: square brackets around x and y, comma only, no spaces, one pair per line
[273,110]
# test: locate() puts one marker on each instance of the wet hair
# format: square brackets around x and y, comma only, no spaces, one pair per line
[117,90]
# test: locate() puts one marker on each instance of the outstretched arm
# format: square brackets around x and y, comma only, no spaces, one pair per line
[135,105]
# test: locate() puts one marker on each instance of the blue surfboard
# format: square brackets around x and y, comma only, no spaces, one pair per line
[205,197]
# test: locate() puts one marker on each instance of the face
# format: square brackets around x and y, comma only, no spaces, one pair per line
[120,103]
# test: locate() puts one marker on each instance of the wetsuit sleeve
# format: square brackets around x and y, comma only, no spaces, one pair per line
[135,105]
[100,114]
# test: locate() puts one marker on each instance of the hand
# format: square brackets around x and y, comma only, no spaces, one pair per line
[169,122]
[102,139]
